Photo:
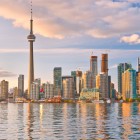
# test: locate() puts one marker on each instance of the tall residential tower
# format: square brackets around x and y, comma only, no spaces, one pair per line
[31,38]
[122,67]
[104,63]
[138,64]
[129,84]
[57,78]
[21,86]
[94,68]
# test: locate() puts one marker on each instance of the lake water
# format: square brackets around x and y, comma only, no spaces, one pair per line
[70,121]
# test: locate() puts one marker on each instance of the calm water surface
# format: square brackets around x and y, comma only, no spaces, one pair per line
[70,121]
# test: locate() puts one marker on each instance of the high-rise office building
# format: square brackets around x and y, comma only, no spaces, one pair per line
[88,80]
[57,77]
[138,82]
[112,91]
[104,85]
[94,68]
[121,68]
[68,87]
[98,81]
[49,90]
[35,89]
[109,86]
[4,88]
[73,74]
[129,84]
[21,86]
[104,63]
[138,64]
[31,38]
[78,81]
[15,92]
[93,65]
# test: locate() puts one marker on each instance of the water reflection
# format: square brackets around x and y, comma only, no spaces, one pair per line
[126,122]
[70,121]
[29,122]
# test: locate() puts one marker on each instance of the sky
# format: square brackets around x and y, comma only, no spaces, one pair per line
[67,32]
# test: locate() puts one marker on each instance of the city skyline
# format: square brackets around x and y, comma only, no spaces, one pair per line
[52,47]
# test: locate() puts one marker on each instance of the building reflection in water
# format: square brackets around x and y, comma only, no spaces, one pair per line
[65,119]
[41,113]
[4,121]
[29,121]
[126,121]
[70,121]
[12,120]
[83,118]
[100,119]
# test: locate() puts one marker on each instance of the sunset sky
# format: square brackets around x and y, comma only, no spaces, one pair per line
[67,32]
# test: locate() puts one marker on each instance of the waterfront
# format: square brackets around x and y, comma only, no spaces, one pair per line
[69,121]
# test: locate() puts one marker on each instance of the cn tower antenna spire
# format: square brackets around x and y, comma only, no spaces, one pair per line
[31,20]
[31,10]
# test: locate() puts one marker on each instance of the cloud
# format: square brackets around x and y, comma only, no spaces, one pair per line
[113,67]
[4,73]
[63,18]
[132,39]
[113,54]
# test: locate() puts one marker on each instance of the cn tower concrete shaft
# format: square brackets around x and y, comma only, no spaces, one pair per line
[31,38]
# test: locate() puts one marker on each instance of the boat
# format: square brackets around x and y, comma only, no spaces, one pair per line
[108,101]
[19,101]
[121,101]
[81,101]
[97,101]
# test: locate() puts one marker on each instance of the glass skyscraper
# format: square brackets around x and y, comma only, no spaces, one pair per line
[73,74]
[68,87]
[94,68]
[57,77]
[129,84]
[21,86]
[121,68]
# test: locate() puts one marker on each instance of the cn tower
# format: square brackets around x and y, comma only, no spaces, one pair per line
[31,38]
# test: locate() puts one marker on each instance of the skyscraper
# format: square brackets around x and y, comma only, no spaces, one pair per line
[15,92]
[88,80]
[112,91]
[109,86]
[98,81]
[93,65]
[35,89]
[31,38]
[57,77]
[48,90]
[94,68]
[138,82]
[68,87]
[73,74]
[21,86]
[138,64]
[129,84]
[4,89]
[121,68]
[104,63]
[78,81]
[104,85]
